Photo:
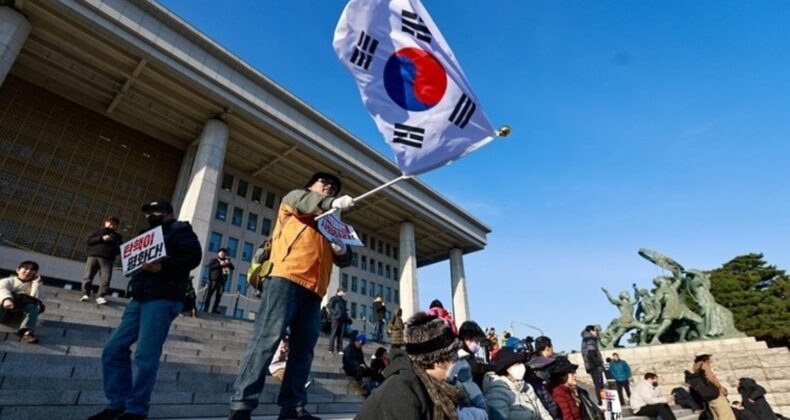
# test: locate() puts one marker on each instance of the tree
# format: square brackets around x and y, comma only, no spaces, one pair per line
[758,295]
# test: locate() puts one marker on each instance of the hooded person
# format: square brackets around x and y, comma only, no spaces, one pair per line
[437,309]
[508,395]
[414,386]
[593,360]
[463,373]
[753,398]
[471,336]
[538,375]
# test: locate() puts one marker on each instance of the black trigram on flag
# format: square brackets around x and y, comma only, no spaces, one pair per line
[408,135]
[363,52]
[412,24]
[463,111]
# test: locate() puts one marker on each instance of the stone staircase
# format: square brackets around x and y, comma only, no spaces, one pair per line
[739,357]
[680,414]
[61,377]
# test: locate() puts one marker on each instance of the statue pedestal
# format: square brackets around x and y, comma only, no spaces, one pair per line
[740,357]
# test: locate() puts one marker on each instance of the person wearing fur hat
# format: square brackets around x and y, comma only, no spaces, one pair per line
[302,263]
[507,394]
[414,387]
[564,390]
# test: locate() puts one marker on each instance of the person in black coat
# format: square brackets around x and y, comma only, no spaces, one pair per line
[354,360]
[218,274]
[471,335]
[753,398]
[103,246]
[338,318]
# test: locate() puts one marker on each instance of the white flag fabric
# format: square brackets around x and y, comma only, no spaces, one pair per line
[410,83]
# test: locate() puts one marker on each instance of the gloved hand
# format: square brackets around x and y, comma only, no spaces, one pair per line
[343,203]
[339,248]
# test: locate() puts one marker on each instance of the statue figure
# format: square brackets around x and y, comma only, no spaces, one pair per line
[647,312]
[618,327]
[717,320]
[673,308]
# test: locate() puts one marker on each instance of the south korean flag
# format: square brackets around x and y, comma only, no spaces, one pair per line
[411,83]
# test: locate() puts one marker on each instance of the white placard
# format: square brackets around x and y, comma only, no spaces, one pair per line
[148,247]
[334,230]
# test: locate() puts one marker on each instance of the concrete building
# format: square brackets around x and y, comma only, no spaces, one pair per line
[107,104]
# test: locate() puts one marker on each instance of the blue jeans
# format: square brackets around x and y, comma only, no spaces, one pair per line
[284,304]
[147,323]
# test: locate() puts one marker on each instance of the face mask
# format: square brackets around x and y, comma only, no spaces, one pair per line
[450,375]
[155,220]
[517,371]
[474,346]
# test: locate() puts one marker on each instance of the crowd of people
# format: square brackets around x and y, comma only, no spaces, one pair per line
[433,369]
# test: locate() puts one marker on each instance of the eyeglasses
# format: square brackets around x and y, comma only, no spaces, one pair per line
[327,182]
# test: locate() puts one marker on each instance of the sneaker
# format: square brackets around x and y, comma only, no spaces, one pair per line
[85,298]
[29,338]
[101,300]
[239,415]
[131,416]
[297,414]
[340,353]
[106,414]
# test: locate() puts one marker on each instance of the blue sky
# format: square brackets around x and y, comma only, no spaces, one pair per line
[635,124]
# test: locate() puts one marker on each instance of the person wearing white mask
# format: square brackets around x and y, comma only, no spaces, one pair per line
[508,395]
[471,335]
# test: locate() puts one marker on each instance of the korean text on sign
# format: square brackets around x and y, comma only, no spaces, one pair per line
[148,247]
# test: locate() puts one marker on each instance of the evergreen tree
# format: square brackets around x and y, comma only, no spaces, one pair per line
[758,295]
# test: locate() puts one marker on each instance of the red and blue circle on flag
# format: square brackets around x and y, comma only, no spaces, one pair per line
[414,79]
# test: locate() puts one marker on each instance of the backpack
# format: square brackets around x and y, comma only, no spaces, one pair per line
[261,267]
[700,385]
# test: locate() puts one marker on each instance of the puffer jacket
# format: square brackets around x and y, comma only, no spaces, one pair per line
[183,254]
[590,352]
[508,400]
[620,370]
[299,252]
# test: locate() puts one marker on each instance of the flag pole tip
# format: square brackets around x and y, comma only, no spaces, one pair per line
[503,131]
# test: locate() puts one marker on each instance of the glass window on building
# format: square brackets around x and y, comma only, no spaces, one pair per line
[373,266]
[238,216]
[266,230]
[381,247]
[222,211]
[381,268]
[388,249]
[241,286]
[396,296]
[354,259]
[363,287]
[233,247]
[354,310]
[381,290]
[395,252]
[354,284]
[344,281]
[372,243]
[388,296]
[242,189]
[372,289]
[395,273]
[215,242]
[257,192]
[228,283]
[364,262]
[227,182]
[239,314]
[363,311]
[252,222]
[388,271]
[269,199]
[246,252]
[364,238]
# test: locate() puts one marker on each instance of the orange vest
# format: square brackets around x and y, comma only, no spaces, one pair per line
[299,252]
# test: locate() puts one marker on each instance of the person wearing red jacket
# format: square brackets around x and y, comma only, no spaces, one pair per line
[563,389]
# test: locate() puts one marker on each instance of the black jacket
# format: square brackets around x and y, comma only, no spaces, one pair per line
[98,247]
[183,254]
[401,396]
[352,357]
[760,408]
[380,309]
[478,368]
[590,352]
[337,309]
[215,270]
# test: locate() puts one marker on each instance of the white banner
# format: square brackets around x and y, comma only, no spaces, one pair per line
[335,230]
[411,83]
[148,247]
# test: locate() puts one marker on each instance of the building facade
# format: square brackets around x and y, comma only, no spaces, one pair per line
[105,105]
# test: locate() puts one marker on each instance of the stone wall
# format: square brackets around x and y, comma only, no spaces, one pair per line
[741,357]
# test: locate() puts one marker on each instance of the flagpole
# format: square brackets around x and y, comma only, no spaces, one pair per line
[368,194]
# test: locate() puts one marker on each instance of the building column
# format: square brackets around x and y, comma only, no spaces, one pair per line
[458,281]
[184,175]
[201,191]
[409,290]
[14,29]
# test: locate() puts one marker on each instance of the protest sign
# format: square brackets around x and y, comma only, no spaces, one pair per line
[148,247]
[335,230]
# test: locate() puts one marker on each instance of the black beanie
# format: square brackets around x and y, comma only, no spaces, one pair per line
[334,180]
